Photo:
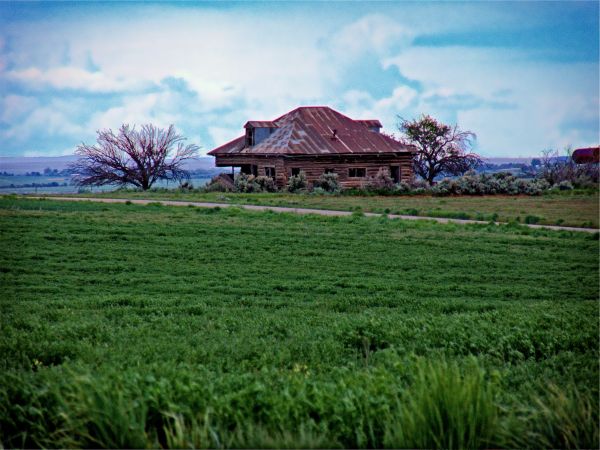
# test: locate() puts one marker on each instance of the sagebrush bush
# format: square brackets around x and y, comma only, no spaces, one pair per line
[328,182]
[382,181]
[244,182]
[216,185]
[249,183]
[297,183]
[265,184]
[489,184]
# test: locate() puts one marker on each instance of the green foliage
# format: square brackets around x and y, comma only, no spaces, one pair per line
[532,219]
[249,183]
[560,417]
[381,182]
[489,184]
[448,407]
[440,149]
[297,183]
[133,326]
[328,182]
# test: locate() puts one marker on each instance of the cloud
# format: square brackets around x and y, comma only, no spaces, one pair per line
[374,33]
[361,105]
[516,104]
[50,121]
[208,69]
[72,78]
[15,107]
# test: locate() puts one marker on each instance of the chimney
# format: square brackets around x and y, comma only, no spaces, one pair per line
[334,135]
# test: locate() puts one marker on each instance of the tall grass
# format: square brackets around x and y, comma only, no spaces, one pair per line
[449,408]
[561,417]
[416,403]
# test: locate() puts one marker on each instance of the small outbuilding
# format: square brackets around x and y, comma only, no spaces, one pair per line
[587,155]
[316,140]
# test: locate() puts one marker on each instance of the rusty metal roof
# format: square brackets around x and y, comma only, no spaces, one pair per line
[260,124]
[370,123]
[316,130]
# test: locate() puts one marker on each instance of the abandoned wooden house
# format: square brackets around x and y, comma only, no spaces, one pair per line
[316,140]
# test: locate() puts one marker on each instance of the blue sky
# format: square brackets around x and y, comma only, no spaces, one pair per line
[523,76]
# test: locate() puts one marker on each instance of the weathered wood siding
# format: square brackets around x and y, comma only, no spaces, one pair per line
[314,167]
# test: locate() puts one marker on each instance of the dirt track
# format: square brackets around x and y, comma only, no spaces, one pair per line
[282,209]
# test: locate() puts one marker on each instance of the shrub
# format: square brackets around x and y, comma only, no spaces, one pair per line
[265,184]
[537,187]
[403,187]
[417,183]
[444,187]
[489,184]
[244,182]
[564,185]
[328,182]
[297,183]
[555,169]
[216,184]
[249,183]
[186,186]
[381,182]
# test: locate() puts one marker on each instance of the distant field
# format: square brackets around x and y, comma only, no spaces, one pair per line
[18,182]
[570,209]
[152,326]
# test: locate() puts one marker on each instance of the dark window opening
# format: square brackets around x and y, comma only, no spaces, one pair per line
[329,171]
[249,137]
[395,173]
[357,172]
[296,171]
[270,172]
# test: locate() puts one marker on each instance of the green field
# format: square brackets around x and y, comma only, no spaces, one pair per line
[153,326]
[577,209]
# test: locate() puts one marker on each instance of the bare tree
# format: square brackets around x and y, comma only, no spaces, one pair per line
[139,158]
[555,168]
[441,149]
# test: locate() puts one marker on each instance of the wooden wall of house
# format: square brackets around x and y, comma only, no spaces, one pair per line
[314,167]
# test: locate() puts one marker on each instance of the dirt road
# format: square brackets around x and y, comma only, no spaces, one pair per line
[282,209]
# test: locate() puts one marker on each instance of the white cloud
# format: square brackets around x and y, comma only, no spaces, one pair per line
[374,33]
[538,98]
[15,107]
[222,135]
[361,105]
[51,120]
[72,78]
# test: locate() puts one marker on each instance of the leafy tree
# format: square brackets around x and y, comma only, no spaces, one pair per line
[441,149]
[139,158]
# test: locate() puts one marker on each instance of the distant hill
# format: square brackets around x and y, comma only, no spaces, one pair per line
[507,160]
[21,165]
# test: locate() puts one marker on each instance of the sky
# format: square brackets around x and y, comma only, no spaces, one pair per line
[523,76]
